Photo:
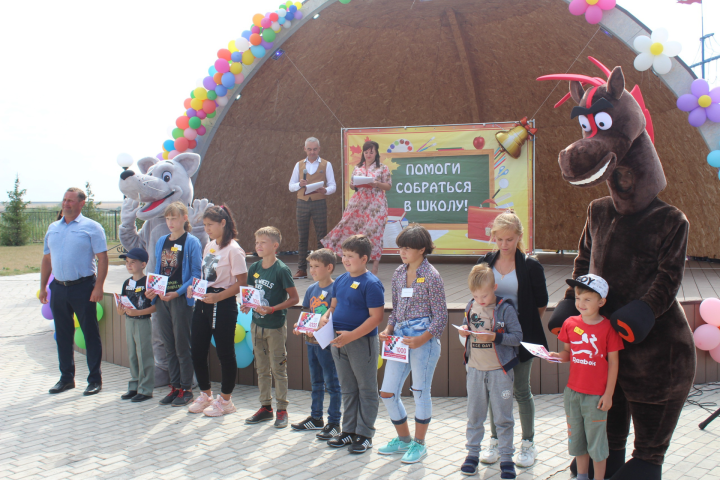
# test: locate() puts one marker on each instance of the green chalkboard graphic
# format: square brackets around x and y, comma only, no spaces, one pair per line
[439,189]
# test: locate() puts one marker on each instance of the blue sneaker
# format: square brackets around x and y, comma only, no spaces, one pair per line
[394,446]
[415,453]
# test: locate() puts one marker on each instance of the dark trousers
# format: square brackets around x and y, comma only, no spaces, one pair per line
[306,210]
[224,315]
[323,376]
[173,320]
[64,302]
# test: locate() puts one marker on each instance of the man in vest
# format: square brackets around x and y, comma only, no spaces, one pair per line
[312,169]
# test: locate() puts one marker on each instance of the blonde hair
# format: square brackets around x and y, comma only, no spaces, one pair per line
[178,209]
[481,276]
[510,222]
[270,232]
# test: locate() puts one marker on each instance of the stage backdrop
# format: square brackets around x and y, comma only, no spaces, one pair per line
[452,179]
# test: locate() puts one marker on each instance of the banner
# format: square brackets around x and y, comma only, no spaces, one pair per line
[452,179]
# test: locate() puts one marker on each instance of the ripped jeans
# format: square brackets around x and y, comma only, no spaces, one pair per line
[422,362]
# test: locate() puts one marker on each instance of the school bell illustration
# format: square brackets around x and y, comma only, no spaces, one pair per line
[512,141]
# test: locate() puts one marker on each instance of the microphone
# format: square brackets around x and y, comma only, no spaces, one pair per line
[304,173]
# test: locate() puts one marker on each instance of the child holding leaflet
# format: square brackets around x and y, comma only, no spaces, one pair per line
[357,310]
[490,355]
[216,312]
[138,328]
[178,255]
[269,330]
[322,366]
[592,347]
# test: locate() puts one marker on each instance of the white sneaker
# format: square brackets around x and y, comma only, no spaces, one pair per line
[491,453]
[527,454]
[219,407]
[200,403]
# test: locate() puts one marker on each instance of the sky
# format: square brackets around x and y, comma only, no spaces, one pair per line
[83,81]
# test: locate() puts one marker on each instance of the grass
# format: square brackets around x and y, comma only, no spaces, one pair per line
[26,259]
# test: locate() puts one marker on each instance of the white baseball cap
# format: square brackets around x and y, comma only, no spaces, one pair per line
[591,281]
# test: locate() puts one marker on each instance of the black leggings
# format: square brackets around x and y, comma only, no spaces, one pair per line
[224,315]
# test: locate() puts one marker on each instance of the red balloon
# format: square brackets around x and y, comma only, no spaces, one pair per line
[217,78]
[274,17]
[182,122]
[209,106]
[181,144]
[255,39]
[192,143]
[187,103]
[224,53]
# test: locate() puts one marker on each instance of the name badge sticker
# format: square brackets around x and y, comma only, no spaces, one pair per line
[323,295]
[420,280]
[407,292]
[131,283]
[257,275]
[212,250]
[355,285]
[178,247]
[173,249]
[138,289]
[579,330]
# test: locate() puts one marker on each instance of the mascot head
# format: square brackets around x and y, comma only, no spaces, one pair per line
[160,182]
[617,144]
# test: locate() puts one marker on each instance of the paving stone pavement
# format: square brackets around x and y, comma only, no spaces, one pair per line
[69,435]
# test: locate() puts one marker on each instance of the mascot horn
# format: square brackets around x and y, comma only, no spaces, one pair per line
[158,184]
[637,243]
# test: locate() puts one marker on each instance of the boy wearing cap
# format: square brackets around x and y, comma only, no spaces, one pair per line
[591,347]
[138,328]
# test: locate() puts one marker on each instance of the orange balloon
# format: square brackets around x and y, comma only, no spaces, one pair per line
[187,103]
[209,106]
[218,78]
[181,144]
[257,18]
[183,122]
[255,39]
[224,53]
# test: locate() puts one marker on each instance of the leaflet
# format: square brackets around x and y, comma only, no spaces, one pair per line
[157,283]
[326,334]
[199,288]
[308,322]
[250,297]
[364,182]
[540,351]
[395,349]
[311,187]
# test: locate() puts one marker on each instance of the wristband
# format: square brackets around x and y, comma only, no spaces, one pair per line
[273,310]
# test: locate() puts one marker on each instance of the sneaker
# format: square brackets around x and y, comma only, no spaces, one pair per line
[328,431]
[183,398]
[360,444]
[262,415]
[527,454]
[201,403]
[219,407]
[341,440]
[281,419]
[491,453]
[394,446]
[469,466]
[507,470]
[415,453]
[174,392]
[309,423]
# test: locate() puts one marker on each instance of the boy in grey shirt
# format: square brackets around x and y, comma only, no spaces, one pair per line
[492,335]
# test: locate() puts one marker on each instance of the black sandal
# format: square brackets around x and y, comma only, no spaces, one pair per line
[470,466]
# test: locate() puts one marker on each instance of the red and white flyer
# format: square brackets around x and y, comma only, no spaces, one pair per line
[156,283]
[199,288]
[250,297]
[395,349]
[308,322]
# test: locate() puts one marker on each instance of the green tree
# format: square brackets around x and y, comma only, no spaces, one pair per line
[14,227]
[91,210]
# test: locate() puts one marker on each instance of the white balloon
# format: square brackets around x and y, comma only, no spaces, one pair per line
[242,44]
[169,131]
[275,27]
[124,160]
[221,101]
[644,61]
[642,44]
[662,64]
[659,35]
[287,24]
[672,49]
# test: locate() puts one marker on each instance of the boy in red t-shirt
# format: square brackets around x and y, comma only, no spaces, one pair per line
[592,346]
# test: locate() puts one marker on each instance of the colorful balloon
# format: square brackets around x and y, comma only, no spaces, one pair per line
[237,56]
[46,312]
[265,23]
[220,90]
[707,337]
[209,106]
[172,154]
[190,133]
[239,333]
[243,355]
[222,101]
[228,79]
[246,35]
[100,311]
[255,29]
[257,18]
[181,144]
[217,78]
[195,123]
[212,71]
[201,130]
[710,311]
[177,132]
[232,47]
[181,122]
[255,39]
[239,78]
[79,338]
[201,114]
[273,17]
[247,59]
[224,53]
[257,51]
[298,15]
[276,27]
[192,143]
[186,103]
[212,95]
[169,145]
[222,66]
[209,83]
[191,112]
[211,115]
[236,68]
[196,103]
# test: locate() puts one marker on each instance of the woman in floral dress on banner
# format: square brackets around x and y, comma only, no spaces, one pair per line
[367,210]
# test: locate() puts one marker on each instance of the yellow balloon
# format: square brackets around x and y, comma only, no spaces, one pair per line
[38,294]
[165,155]
[196,103]
[380,362]
[298,5]
[236,68]
[248,57]
[77,324]
[200,93]
[232,47]
[239,333]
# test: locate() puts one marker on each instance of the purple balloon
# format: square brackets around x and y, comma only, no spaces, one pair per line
[209,83]
[46,312]
[687,102]
[298,15]
[159,156]
[52,277]
[267,45]
[191,112]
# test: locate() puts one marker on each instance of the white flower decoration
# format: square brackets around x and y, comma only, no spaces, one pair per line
[655,51]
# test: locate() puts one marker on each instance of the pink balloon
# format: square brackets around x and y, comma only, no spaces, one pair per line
[190,133]
[201,130]
[710,311]
[707,337]
[46,312]
[201,114]
[265,23]
[255,29]
[222,65]
[239,78]
[715,353]
[593,14]
[172,154]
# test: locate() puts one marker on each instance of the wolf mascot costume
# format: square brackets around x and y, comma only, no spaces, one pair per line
[638,244]
[159,183]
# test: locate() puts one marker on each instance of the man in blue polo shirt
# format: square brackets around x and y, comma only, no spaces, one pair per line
[71,245]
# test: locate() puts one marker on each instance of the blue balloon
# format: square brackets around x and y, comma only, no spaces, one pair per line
[292,8]
[236,56]
[258,51]
[281,20]
[290,16]
[248,340]
[212,70]
[169,145]
[713,158]
[243,355]
[228,80]
[245,320]
[246,35]
[221,91]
